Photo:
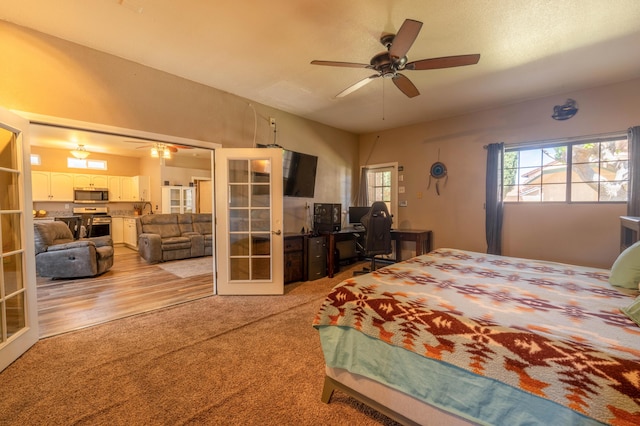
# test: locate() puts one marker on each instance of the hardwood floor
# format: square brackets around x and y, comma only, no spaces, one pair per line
[130,287]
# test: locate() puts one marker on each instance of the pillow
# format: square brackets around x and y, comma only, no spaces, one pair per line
[633,311]
[625,271]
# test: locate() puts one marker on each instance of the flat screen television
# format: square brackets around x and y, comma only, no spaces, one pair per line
[299,174]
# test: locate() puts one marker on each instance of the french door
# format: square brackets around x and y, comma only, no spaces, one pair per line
[249,236]
[18,305]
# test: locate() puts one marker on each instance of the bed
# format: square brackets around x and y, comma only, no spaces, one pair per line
[457,337]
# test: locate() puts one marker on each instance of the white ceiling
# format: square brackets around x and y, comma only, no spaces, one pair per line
[261,50]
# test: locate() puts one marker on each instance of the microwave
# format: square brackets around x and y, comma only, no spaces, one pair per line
[90,195]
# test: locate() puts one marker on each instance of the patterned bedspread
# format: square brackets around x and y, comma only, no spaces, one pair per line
[550,329]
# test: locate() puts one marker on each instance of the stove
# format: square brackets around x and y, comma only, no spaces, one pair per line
[96,221]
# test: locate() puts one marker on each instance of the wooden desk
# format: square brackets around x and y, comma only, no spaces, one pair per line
[421,238]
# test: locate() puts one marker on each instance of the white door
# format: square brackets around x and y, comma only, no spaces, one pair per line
[18,305]
[249,236]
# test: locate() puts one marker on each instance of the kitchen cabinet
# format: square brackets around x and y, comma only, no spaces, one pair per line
[128,188]
[178,199]
[142,188]
[120,188]
[130,234]
[90,181]
[51,186]
[117,230]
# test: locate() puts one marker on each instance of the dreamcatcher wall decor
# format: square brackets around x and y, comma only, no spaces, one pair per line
[438,171]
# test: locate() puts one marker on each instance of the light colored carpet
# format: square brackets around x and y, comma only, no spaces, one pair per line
[186,268]
[220,360]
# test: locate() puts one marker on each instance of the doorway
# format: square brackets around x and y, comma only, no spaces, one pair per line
[96,300]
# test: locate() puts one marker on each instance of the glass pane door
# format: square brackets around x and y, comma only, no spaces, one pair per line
[250,224]
[250,216]
[11,251]
[18,308]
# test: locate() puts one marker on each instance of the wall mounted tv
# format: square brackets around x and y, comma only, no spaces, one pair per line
[298,173]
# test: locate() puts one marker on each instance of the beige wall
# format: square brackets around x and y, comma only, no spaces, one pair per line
[46,75]
[578,233]
[55,160]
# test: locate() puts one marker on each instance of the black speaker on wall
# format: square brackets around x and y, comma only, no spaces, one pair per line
[327,217]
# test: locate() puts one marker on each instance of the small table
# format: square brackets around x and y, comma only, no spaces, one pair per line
[629,231]
[421,238]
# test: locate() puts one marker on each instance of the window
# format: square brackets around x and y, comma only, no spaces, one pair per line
[35,160]
[381,185]
[77,163]
[586,170]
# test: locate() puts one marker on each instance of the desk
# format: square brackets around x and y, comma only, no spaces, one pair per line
[421,238]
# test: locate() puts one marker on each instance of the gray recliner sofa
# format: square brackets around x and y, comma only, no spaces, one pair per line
[163,237]
[58,255]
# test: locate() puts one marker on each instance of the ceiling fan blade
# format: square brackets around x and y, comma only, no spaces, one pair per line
[405,37]
[444,62]
[405,85]
[356,86]
[341,64]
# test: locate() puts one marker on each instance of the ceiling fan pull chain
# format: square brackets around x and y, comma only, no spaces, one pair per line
[383,84]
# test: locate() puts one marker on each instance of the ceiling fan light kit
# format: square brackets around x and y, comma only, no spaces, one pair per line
[160,150]
[388,64]
[80,152]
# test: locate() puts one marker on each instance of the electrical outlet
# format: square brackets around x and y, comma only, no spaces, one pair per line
[272,122]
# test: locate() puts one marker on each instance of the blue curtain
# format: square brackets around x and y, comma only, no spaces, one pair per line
[494,202]
[633,199]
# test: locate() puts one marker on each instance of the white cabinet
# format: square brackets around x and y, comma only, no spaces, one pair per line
[142,188]
[130,234]
[90,181]
[128,188]
[178,199]
[117,230]
[51,186]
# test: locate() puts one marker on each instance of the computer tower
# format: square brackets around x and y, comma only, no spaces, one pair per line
[327,217]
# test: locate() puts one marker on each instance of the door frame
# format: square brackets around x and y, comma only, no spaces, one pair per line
[40,119]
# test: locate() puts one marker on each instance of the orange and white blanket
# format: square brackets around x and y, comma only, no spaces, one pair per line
[550,329]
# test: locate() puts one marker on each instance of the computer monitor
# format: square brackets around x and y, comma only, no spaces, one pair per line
[356,213]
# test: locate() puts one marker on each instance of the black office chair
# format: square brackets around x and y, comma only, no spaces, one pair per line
[377,239]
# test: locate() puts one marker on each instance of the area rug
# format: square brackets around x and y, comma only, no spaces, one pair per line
[189,267]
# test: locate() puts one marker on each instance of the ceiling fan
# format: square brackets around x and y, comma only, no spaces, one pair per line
[162,150]
[388,64]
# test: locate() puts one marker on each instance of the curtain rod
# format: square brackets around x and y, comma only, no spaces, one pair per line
[596,138]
